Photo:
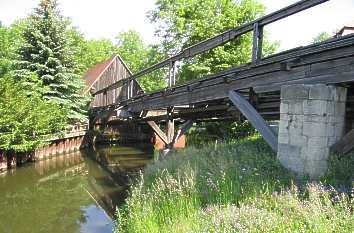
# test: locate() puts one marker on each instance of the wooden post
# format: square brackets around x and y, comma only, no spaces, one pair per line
[257,42]
[130,87]
[172,74]
[253,98]
[170,131]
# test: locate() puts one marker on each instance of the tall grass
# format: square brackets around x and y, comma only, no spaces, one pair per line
[234,187]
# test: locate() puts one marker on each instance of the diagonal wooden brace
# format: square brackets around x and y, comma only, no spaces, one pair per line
[184,128]
[345,145]
[158,131]
[255,119]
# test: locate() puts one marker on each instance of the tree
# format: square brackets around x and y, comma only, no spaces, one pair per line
[26,121]
[10,41]
[137,55]
[45,53]
[87,53]
[131,47]
[322,36]
[182,23]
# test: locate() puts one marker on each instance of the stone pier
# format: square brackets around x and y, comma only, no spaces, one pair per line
[312,118]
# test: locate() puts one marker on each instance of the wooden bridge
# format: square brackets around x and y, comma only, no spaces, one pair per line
[253,90]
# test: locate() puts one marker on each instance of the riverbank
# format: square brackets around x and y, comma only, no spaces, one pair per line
[237,187]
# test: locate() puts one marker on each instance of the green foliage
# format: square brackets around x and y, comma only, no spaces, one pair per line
[26,121]
[341,170]
[45,52]
[183,23]
[87,53]
[131,47]
[138,56]
[209,132]
[235,187]
[10,40]
[321,37]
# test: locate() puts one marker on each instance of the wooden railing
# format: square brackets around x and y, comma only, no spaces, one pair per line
[76,130]
[255,26]
[73,131]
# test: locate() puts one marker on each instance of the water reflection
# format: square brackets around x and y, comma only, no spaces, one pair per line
[76,192]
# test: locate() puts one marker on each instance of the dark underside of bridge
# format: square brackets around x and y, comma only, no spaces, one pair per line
[207,99]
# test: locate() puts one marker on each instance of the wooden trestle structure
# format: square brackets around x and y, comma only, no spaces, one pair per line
[251,90]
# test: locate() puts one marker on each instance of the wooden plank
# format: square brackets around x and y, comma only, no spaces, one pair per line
[255,119]
[183,129]
[158,131]
[222,38]
[345,145]
[257,43]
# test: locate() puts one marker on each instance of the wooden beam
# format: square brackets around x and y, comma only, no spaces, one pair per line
[256,120]
[221,39]
[170,130]
[261,78]
[158,131]
[172,74]
[345,145]
[183,129]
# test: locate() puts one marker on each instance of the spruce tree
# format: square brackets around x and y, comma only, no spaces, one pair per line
[46,53]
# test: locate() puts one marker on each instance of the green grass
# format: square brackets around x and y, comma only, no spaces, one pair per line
[235,187]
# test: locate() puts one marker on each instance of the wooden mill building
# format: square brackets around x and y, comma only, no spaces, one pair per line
[103,75]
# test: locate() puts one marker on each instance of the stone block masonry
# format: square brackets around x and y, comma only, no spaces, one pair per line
[312,118]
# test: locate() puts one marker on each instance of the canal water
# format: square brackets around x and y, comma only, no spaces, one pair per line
[76,192]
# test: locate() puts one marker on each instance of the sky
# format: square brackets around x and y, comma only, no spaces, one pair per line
[106,18]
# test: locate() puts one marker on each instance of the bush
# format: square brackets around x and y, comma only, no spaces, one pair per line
[209,132]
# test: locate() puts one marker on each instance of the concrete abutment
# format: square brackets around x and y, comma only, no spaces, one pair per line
[312,118]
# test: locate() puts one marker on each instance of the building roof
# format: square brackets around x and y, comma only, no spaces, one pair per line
[95,72]
[347,29]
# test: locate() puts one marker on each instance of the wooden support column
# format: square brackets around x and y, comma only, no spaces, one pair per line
[257,42]
[253,98]
[345,145]
[170,128]
[170,132]
[256,120]
[172,74]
